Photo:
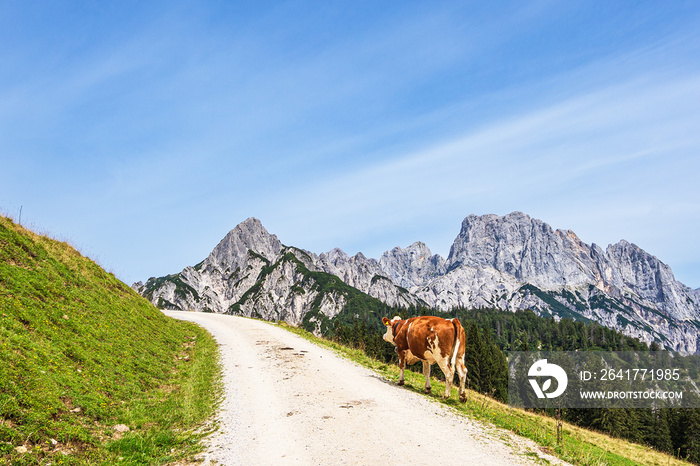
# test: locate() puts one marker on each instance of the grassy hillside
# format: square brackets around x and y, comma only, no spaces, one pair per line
[81,353]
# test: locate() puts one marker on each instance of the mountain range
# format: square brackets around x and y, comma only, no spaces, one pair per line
[508,262]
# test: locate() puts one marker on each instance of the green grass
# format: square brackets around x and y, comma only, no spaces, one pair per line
[579,446]
[80,352]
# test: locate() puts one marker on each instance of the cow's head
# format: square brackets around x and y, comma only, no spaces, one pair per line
[389,335]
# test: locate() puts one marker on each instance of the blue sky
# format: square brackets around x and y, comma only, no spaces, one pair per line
[141,132]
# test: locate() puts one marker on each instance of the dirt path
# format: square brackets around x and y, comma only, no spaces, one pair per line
[289,401]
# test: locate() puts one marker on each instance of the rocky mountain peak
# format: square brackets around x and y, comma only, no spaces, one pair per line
[411,267]
[419,249]
[249,235]
[334,256]
[647,277]
[521,246]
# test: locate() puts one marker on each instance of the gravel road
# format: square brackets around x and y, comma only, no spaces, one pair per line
[288,401]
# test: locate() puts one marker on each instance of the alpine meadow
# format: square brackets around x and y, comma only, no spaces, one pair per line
[91,372]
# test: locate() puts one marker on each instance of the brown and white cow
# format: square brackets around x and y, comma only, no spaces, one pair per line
[431,340]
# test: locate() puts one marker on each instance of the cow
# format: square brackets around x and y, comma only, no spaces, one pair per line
[431,340]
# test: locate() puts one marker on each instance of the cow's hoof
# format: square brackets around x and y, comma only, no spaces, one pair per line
[462,398]
[427,390]
[400,382]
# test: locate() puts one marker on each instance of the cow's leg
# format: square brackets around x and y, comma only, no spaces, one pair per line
[462,373]
[426,373]
[402,366]
[449,376]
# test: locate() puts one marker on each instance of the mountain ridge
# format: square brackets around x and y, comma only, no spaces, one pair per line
[509,262]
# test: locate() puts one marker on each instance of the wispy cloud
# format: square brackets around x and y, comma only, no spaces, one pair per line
[567,160]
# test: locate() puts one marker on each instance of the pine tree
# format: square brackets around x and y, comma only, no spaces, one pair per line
[660,437]
[473,355]
[690,449]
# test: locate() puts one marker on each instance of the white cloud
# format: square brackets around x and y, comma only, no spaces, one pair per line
[578,162]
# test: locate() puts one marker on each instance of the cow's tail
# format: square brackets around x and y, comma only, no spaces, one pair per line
[459,342]
[458,358]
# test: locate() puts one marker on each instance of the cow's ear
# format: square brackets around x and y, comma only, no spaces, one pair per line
[386,321]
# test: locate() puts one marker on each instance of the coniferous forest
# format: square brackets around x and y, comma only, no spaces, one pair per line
[491,333]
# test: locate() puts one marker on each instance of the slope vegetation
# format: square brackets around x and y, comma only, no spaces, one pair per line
[83,358]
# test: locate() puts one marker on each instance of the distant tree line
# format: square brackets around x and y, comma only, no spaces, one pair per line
[491,332]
